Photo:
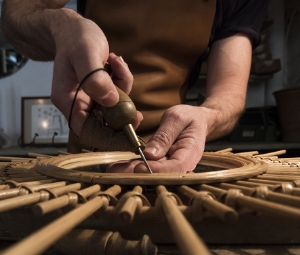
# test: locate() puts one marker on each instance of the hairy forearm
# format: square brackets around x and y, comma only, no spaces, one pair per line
[30,26]
[224,112]
[228,74]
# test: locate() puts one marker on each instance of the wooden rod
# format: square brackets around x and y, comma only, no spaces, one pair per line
[45,207]
[224,212]
[27,168]
[247,153]
[284,199]
[42,239]
[275,153]
[268,195]
[8,185]
[22,175]
[9,193]
[30,178]
[64,152]
[48,206]
[127,210]
[227,186]
[9,159]
[281,178]
[37,155]
[185,236]
[224,150]
[72,187]
[270,208]
[264,181]
[218,193]
[253,184]
[19,201]
[126,213]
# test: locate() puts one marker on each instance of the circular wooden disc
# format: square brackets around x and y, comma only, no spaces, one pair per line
[233,167]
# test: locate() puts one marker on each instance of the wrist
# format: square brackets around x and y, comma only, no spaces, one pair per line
[59,23]
[220,120]
[212,117]
[72,34]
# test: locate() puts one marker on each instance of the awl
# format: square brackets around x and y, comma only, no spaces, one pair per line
[120,117]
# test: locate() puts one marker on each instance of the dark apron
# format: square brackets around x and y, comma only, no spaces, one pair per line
[161,41]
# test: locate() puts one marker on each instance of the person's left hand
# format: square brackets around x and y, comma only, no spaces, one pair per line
[177,145]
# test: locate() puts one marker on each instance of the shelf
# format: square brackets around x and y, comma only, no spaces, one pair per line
[23,151]
[253,146]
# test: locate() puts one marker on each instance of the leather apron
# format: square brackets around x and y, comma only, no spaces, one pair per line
[161,41]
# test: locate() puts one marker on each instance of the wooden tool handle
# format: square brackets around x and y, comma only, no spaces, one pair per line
[120,115]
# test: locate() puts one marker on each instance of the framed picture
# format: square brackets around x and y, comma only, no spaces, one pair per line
[42,122]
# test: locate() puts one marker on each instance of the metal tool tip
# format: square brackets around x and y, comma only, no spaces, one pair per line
[144,159]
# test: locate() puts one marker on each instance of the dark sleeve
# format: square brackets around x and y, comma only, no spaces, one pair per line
[239,16]
[80,6]
[232,17]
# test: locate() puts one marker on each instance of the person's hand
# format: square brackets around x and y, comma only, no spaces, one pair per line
[177,145]
[81,49]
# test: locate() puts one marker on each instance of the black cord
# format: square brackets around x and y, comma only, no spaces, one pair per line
[54,134]
[33,140]
[20,141]
[79,87]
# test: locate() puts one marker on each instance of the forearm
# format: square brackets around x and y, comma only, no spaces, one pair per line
[31,26]
[228,74]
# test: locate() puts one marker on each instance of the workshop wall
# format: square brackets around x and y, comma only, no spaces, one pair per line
[292,49]
[34,79]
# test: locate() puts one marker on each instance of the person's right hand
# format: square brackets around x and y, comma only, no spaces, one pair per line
[80,49]
[43,30]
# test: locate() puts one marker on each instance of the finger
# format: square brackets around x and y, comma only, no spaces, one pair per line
[162,140]
[122,166]
[187,151]
[123,78]
[63,91]
[138,120]
[82,102]
[97,84]
[93,55]
[184,156]
[184,151]
[80,112]
[100,87]
[121,75]
[81,107]
[161,166]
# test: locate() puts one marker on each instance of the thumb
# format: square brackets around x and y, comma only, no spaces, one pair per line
[159,144]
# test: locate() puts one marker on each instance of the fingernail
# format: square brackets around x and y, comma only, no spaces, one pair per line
[150,150]
[122,60]
[109,99]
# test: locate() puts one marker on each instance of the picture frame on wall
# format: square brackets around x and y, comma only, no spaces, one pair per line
[42,123]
